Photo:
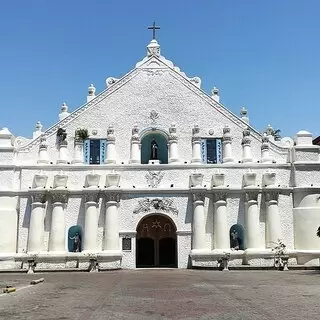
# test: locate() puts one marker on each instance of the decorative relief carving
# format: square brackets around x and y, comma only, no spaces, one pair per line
[265,142]
[112,196]
[164,205]
[39,197]
[91,197]
[154,178]
[246,137]
[272,196]
[173,132]
[218,196]
[59,197]
[252,195]
[196,133]
[110,134]
[199,196]
[226,134]
[135,134]
[154,116]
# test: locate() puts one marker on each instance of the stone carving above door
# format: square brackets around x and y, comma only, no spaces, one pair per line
[157,204]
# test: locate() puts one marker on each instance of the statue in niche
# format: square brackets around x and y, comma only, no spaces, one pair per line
[76,242]
[234,240]
[154,150]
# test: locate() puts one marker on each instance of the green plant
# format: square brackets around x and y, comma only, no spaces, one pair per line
[81,134]
[61,134]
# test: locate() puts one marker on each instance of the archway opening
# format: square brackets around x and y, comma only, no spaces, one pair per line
[156,242]
[154,148]
[237,237]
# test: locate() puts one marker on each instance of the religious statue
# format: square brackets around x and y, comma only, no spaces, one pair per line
[154,150]
[234,243]
[76,242]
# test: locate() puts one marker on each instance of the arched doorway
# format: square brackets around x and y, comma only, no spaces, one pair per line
[156,242]
[161,145]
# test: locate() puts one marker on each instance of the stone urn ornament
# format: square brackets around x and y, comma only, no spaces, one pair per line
[269,179]
[249,179]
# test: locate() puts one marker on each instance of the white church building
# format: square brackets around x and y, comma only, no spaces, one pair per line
[155,172]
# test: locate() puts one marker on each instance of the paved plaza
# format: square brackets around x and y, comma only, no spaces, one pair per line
[163,294]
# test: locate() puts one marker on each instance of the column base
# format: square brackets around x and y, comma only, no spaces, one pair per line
[196,161]
[110,161]
[134,161]
[61,161]
[43,161]
[77,161]
[174,161]
[246,160]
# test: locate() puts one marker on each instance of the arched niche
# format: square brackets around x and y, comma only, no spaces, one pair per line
[237,237]
[72,236]
[162,144]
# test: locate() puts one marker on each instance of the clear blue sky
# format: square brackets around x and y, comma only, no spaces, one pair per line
[260,54]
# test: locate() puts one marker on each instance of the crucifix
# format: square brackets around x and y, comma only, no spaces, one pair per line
[154,28]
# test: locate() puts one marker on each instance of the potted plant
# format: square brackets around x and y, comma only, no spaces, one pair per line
[61,134]
[280,256]
[81,134]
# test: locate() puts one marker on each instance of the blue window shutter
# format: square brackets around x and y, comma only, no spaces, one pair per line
[103,150]
[219,150]
[86,151]
[204,150]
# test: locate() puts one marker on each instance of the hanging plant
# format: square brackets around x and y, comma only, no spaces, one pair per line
[81,134]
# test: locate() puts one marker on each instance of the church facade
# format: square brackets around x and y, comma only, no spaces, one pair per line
[154,172]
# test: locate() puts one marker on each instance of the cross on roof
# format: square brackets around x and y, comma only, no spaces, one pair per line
[154,28]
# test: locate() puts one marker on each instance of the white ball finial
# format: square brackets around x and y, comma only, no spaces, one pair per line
[91,90]
[64,107]
[64,111]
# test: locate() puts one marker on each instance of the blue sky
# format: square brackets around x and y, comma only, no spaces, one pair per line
[261,54]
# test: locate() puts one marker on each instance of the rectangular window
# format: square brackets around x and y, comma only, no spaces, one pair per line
[211,150]
[95,151]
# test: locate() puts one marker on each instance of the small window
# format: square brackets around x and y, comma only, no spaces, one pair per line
[95,151]
[211,151]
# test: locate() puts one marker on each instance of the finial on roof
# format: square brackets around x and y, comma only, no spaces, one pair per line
[38,131]
[244,114]
[91,92]
[64,111]
[215,94]
[153,48]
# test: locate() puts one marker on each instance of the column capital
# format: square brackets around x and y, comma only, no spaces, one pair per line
[112,196]
[199,196]
[91,197]
[40,197]
[219,196]
[252,195]
[272,196]
[59,197]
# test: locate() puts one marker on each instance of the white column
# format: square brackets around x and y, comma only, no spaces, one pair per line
[173,144]
[221,237]
[273,230]
[246,146]
[43,153]
[111,239]
[111,147]
[227,147]
[78,152]
[198,224]
[57,232]
[252,222]
[63,152]
[135,151]
[196,145]
[91,222]
[36,226]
